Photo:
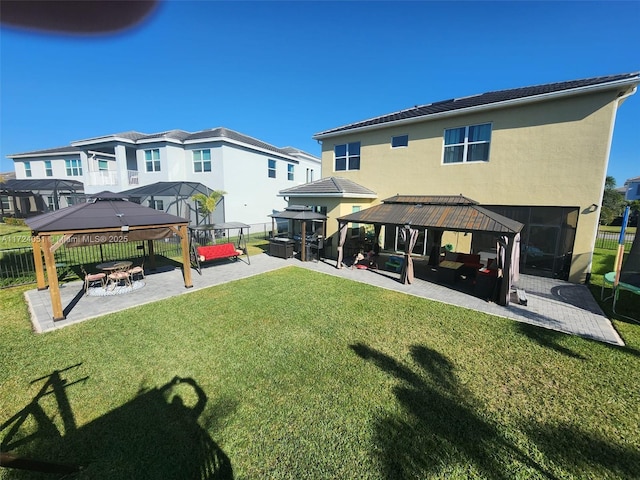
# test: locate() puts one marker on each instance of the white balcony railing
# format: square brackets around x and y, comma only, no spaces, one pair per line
[103,177]
[133,177]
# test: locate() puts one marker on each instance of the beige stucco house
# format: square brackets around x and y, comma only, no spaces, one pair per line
[536,154]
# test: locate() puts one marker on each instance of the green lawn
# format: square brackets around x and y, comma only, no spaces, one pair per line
[299,375]
[606,228]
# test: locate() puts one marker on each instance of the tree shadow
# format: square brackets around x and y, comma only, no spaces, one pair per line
[580,450]
[444,429]
[157,434]
[547,338]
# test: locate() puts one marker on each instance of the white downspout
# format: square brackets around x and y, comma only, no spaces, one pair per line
[612,125]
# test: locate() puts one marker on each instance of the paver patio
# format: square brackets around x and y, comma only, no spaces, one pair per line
[552,304]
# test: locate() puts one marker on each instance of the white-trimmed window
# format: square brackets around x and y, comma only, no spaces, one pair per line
[156,204]
[4,200]
[347,156]
[152,160]
[271,168]
[202,160]
[467,144]
[290,173]
[48,168]
[74,167]
[400,141]
[51,204]
[27,169]
[103,165]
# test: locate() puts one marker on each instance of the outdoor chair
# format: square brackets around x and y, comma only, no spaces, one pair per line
[117,276]
[137,271]
[92,278]
[394,263]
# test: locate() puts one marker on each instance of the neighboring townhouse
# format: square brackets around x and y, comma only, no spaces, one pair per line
[252,172]
[536,154]
[631,189]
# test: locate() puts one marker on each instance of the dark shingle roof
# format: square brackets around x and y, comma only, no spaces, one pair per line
[68,150]
[176,134]
[236,136]
[330,186]
[485,99]
[179,135]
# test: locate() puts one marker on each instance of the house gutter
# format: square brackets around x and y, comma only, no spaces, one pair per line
[479,108]
[619,100]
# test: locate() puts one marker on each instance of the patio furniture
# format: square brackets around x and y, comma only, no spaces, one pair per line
[281,247]
[448,271]
[90,279]
[118,276]
[118,272]
[138,270]
[394,263]
[609,280]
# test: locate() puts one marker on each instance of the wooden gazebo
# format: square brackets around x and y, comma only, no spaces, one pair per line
[107,218]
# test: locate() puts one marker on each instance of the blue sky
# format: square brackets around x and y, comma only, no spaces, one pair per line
[283,71]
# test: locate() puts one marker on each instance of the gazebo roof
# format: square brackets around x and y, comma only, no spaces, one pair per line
[448,212]
[299,212]
[103,213]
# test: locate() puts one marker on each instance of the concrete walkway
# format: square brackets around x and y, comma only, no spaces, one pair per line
[552,304]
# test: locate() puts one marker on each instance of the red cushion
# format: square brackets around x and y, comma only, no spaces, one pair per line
[223,250]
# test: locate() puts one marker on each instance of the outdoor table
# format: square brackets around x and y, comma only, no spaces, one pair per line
[448,271]
[115,265]
[113,268]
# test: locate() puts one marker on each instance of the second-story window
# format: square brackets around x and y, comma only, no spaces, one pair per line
[271,169]
[400,141]
[202,160]
[48,169]
[152,160]
[27,169]
[467,144]
[74,167]
[347,156]
[103,165]
[290,174]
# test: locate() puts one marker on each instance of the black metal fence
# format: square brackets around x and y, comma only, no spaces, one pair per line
[609,240]
[17,264]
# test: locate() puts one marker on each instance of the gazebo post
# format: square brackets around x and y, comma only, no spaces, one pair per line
[505,285]
[186,262]
[37,261]
[303,241]
[152,255]
[52,275]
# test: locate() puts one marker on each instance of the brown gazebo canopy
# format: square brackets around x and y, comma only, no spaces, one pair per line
[439,213]
[107,218]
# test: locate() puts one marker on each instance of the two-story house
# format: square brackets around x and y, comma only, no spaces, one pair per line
[249,170]
[535,154]
[631,189]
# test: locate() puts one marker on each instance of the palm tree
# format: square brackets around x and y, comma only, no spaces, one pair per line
[208,203]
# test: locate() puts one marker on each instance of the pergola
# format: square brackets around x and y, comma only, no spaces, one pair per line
[107,218]
[303,214]
[439,213]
